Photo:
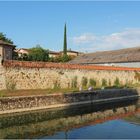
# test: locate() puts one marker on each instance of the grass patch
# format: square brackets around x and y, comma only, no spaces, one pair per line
[9,93]
[12,93]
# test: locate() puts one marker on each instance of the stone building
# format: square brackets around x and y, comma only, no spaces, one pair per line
[6,50]
[129,57]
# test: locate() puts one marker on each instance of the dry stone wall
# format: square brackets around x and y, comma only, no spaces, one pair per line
[2,78]
[33,75]
[12,104]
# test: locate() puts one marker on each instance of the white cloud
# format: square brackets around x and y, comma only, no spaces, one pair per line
[125,39]
[84,38]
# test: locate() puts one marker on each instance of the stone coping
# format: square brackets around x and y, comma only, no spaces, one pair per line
[31,64]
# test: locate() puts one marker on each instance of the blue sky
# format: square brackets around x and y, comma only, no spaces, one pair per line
[91,26]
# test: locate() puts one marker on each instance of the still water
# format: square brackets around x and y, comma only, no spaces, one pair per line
[107,121]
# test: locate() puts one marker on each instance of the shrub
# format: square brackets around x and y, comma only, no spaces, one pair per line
[84,82]
[10,84]
[61,58]
[74,82]
[92,82]
[104,83]
[117,82]
[56,85]
[109,83]
[137,76]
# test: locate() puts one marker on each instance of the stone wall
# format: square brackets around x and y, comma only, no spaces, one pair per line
[19,104]
[2,77]
[41,75]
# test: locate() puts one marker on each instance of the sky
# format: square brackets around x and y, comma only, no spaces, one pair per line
[91,26]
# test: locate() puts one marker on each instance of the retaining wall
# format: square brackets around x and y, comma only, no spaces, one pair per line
[19,104]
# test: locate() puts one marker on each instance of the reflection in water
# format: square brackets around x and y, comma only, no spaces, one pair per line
[39,124]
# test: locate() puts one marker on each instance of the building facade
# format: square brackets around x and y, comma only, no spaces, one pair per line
[6,50]
[21,52]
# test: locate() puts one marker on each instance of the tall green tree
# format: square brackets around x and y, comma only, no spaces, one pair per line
[4,38]
[65,41]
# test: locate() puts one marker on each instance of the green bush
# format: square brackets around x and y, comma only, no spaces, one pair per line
[10,84]
[37,53]
[61,58]
[74,82]
[56,85]
[104,83]
[117,82]
[84,82]
[92,82]
[137,76]
[109,83]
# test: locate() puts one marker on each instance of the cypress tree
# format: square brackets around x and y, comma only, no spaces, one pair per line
[65,41]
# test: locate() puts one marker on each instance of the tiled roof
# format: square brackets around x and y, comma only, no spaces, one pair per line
[115,56]
[5,43]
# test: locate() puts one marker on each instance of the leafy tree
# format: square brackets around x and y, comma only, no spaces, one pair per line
[38,54]
[65,41]
[4,38]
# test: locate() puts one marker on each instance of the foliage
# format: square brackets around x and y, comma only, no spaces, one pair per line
[104,82]
[15,55]
[38,54]
[92,82]
[10,84]
[56,85]
[74,82]
[63,58]
[5,39]
[65,41]
[117,82]
[84,82]
[109,82]
[137,76]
